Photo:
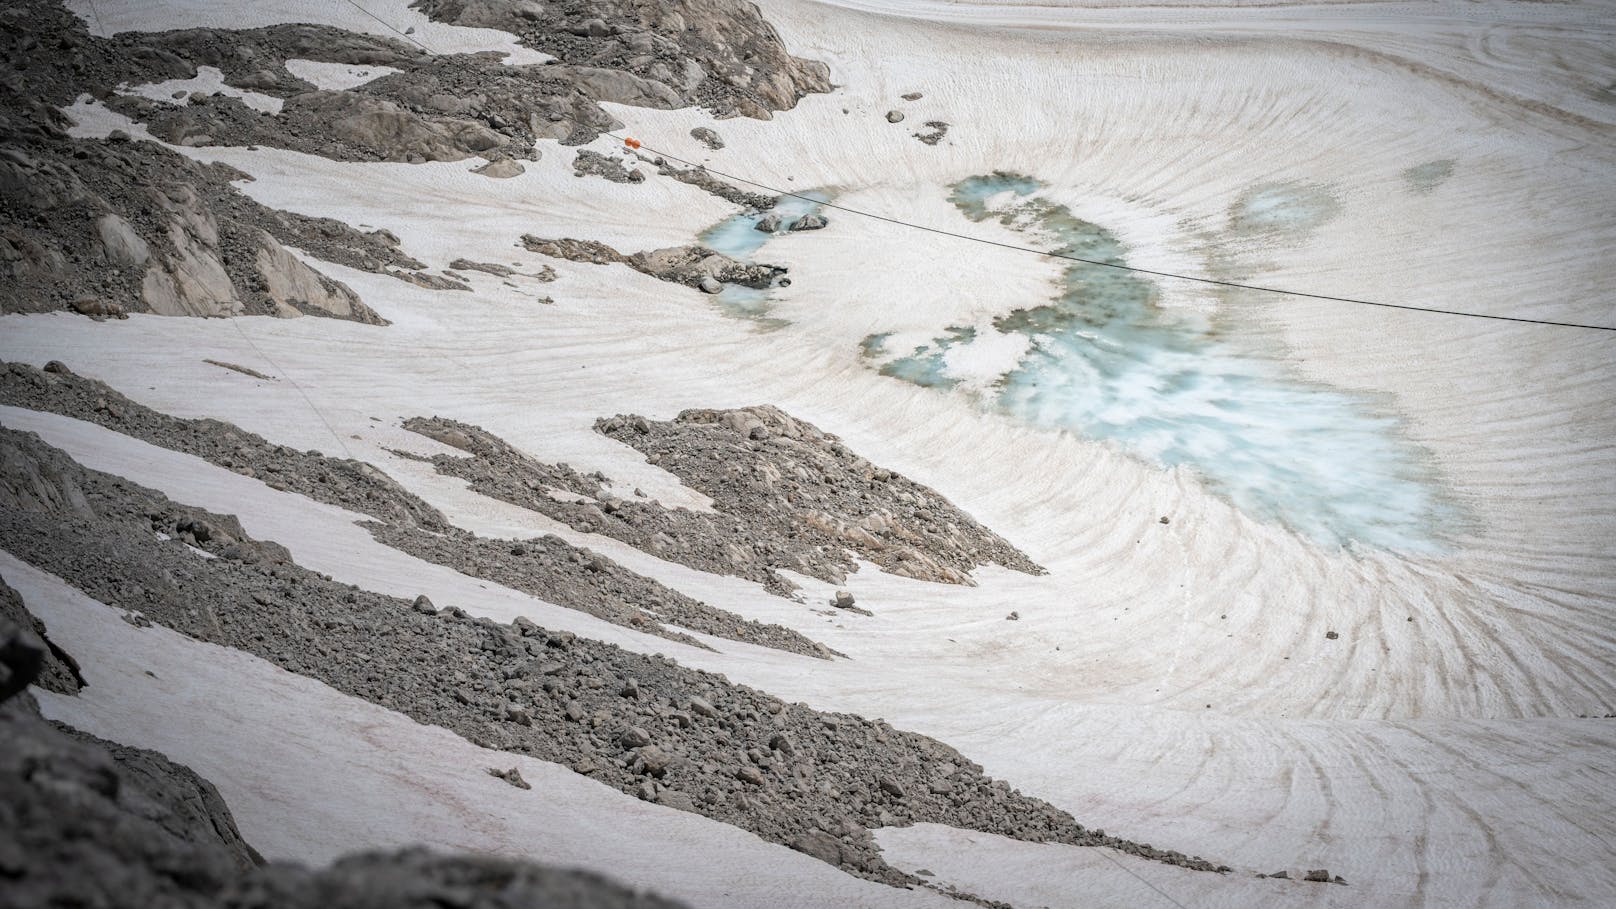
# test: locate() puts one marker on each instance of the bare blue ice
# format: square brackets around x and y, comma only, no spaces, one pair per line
[1173,388]
[1107,362]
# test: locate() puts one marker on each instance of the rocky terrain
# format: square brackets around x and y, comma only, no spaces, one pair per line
[558,572]
[107,229]
[548,567]
[87,822]
[642,724]
[26,650]
[787,495]
[699,177]
[717,54]
[348,484]
[786,479]
[590,163]
[693,266]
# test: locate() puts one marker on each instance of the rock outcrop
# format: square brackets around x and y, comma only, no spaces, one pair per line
[691,265]
[110,228]
[935,131]
[706,136]
[719,54]
[800,489]
[589,163]
[788,496]
[27,654]
[113,227]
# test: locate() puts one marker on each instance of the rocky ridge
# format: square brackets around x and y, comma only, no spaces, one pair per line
[862,511]
[547,567]
[351,484]
[26,651]
[109,228]
[815,781]
[557,572]
[698,177]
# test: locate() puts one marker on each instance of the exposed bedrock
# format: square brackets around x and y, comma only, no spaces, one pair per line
[642,724]
[546,567]
[87,822]
[718,54]
[693,266]
[113,228]
[436,107]
[588,163]
[109,228]
[788,496]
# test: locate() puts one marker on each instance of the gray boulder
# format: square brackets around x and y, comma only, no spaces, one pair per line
[503,169]
[707,137]
[120,245]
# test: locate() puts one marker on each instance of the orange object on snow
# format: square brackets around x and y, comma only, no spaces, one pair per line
[631,143]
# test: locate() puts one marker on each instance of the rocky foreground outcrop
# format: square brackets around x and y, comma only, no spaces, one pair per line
[87,822]
[25,646]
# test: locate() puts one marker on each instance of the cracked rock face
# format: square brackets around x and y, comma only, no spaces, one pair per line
[718,54]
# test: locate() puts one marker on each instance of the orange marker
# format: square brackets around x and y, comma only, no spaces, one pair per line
[631,143]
